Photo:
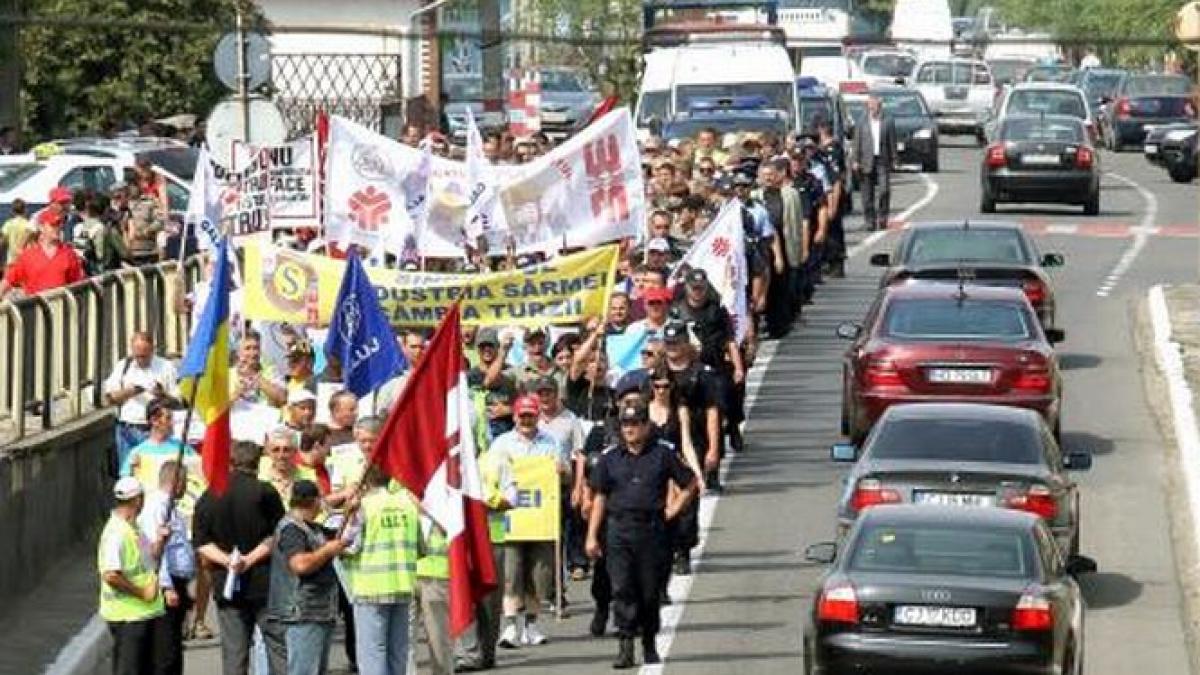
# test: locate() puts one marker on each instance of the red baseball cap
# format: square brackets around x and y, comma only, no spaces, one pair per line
[527,405]
[61,195]
[658,294]
[48,217]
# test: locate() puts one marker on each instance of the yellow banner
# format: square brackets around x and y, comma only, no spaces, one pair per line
[283,285]
[536,515]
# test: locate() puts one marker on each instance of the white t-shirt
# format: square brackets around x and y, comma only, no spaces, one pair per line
[875,133]
[567,431]
[128,373]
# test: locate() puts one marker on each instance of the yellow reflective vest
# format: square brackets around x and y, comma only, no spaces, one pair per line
[117,606]
[435,559]
[383,569]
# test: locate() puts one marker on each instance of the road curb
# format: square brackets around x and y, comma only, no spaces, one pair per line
[1177,418]
[85,653]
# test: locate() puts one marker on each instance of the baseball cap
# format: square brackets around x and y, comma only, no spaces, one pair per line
[725,183]
[657,294]
[127,488]
[297,396]
[487,336]
[675,333]
[740,179]
[60,195]
[527,405]
[543,383]
[697,277]
[659,245]
[51,218]
[300,348]
[633,381]
[634,413]
[304,491]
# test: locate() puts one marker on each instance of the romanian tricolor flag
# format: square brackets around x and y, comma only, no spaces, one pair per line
[204,374]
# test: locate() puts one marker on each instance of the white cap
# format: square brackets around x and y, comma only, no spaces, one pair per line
[300,396]
[127,488]
[658,244]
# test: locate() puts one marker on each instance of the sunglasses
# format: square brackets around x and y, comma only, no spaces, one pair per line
[650,352]
[662,385]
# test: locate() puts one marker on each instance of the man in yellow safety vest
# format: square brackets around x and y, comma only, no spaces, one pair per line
[130,597]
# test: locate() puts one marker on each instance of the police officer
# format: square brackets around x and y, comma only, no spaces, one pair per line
[807,180]
[631,485]
[833,154]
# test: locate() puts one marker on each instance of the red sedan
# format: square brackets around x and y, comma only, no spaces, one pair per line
[938,342]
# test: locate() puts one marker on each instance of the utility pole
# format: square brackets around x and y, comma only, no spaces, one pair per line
[243,74]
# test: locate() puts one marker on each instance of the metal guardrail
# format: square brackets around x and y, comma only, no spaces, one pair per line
[57,348]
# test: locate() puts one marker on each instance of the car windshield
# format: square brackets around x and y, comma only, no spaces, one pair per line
[1158,85]
[690,128]
[1009,70]
[957,72]
[653,106]
[1036,129]
[1049,74]
[943,550]
[903,104]
[179,162]
[12,175]
[1101,84]
[778,95]
[888,65]
[561,80]
[953,319]
[1048,101]
[955,245]
[812,108]
[957,440]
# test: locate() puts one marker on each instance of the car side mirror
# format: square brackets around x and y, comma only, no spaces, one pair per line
[1055,335]
[843,452]
[1078,565]
[881,260]
[1053,260]
[823,553]
[1077,461]
[848,330]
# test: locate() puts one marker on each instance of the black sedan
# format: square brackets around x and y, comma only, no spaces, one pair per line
[1144,100]
[916,126]
[1043,159]
[942,589]
[1179,156]
[1156,136]
[990,253]
[965,454]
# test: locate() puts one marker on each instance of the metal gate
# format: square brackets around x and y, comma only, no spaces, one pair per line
[361,87]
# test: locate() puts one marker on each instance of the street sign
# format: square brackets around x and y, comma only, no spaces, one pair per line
[258,60]
[267,127]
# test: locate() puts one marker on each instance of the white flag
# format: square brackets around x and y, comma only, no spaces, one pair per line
[205,208]
[721,252]
[481,188]
[365,199]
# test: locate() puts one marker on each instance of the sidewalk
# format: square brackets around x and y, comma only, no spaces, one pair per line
[37,627]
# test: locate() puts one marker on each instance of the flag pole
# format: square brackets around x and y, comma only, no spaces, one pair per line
[187,423]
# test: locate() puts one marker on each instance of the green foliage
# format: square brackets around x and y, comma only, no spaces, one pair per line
[1104,20]
[608,34]
[80,79]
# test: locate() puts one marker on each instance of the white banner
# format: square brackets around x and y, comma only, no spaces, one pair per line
[721,252]
[204,209]
[365,199]
[290,179]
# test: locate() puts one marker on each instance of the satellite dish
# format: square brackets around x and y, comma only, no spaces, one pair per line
[258,60]
[267,127]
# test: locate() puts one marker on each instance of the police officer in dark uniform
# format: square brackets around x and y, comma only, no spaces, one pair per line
[812,204]
[631,487]
[833,154]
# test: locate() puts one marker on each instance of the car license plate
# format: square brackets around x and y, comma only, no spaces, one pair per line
[899,147]
[959,375]
[944,617]
[554,117]
[1040,160]
[954,498]
[1150,149]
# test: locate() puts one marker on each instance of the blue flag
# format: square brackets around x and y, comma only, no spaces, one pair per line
[360,337]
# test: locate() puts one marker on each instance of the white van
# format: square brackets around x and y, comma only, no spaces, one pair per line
[924,27]
[676,79]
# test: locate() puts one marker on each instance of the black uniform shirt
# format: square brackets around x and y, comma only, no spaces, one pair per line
[638,483]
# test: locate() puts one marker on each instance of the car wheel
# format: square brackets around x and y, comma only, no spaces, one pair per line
[1092,206]
[987,203]
[1180,173]
[980,138]
[931,165]
[1073,549]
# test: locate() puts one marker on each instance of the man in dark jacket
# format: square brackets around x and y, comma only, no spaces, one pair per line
[874,152]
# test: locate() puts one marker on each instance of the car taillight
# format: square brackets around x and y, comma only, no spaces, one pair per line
[1123,107]
[1091,131]
[1034,289]
[839,604]
[1033,613]
[1037,380]
[852,87]
[996,156]
[870,492]
[1084,158]
[882,374]
[1037,500]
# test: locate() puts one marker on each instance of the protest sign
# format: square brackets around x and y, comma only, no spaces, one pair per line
[721,252]
[290,169]
[536,515]
[284,285]
[365,198]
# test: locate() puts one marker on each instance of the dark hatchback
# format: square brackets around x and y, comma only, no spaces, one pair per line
[1145,100]
[990,253]
[916,126]
[942,589]
[969,455]
[1041,159]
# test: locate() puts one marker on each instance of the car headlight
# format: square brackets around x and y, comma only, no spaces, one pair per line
[923,133]
[1179,134]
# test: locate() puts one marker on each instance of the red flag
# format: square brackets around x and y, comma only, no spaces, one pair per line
[603,109]
[426,444]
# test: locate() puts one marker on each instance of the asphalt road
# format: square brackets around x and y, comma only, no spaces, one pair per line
[745,603]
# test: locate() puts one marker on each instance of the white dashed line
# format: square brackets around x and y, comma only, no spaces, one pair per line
[1141,234]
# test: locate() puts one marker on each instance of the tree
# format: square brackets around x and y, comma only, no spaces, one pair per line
[153,59]
[603,38]
[1103,25]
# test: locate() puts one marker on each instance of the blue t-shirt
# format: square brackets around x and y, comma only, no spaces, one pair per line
[160,451]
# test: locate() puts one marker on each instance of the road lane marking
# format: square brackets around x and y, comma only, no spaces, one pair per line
[1141,235]
[680,587]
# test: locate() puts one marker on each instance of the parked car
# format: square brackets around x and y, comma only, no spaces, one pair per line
[943,342]
[1042,159]
[947,590]
[959,91]
[1157,135]
[567,100]
[916,126]
[1142,100]
[1008,70]
[964,454]
[1179,156]
[991,253]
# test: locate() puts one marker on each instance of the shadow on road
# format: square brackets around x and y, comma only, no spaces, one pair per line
[1082,441]
[1109,589]
[1079,361]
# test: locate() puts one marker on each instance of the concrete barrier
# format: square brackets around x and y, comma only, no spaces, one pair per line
[54,493]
